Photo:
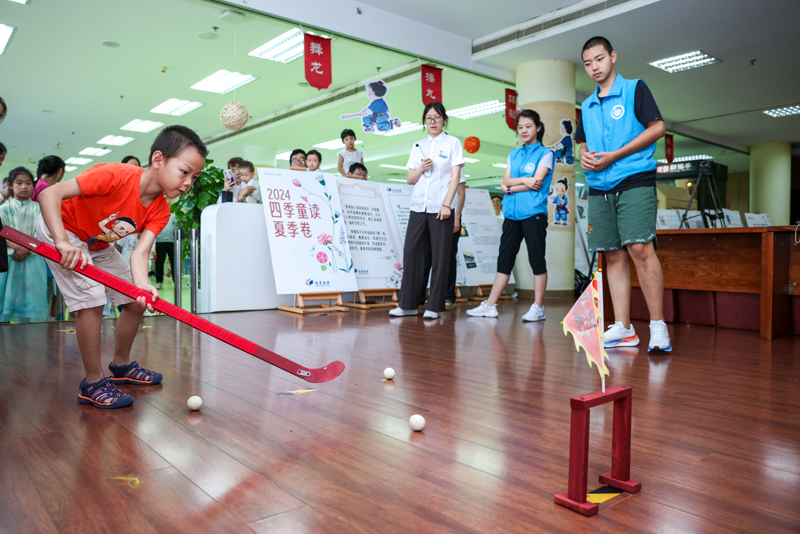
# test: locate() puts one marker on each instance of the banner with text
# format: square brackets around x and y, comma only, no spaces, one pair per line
[307,236]
[376,249]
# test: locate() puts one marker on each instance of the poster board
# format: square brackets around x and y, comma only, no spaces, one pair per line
[733,218]
[307,236]
[668,219]
[757,219]
[479,244]
[398,204]
[376,249]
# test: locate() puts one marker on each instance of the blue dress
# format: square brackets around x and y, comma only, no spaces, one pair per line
[23,289]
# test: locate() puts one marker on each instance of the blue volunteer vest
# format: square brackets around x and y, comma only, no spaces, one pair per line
[524,162]
[609,126]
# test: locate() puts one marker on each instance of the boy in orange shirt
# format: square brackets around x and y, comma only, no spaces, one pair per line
[82,217]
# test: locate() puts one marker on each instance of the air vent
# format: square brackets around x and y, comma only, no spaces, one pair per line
[540,26]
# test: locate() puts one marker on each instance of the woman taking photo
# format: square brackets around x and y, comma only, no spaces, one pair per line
[525,211]
[434,171]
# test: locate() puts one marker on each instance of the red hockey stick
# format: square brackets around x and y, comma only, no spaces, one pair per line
[323,374]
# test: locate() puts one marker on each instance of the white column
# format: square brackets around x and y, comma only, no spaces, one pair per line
[771,180]
[548,87]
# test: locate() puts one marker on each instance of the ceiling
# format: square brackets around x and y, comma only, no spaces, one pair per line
[67,91]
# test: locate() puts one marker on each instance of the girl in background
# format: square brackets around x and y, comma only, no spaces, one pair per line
[349,154]
[23,289]
[49,172]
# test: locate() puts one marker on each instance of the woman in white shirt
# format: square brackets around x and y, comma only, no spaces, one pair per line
[434,171]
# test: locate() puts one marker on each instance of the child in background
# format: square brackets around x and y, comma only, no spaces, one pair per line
[23,289]
[70,217]
[49,172]
[349,154]
[358,171]
[313,160]
[251,190]
[297,160]
[5,193]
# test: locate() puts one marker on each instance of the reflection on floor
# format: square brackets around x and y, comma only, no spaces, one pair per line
[716,430]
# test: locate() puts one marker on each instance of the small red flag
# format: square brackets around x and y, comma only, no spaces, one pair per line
[431,84]
[584,323]
[511,108]
[669,147]
[317,51]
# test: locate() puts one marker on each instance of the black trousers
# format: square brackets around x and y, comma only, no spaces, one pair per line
[427,248]
[162,251]
[451,275]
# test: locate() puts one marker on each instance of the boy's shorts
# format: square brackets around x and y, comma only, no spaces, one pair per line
[616,220]
[80,292]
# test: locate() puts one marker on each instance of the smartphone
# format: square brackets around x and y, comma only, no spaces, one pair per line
[228,175]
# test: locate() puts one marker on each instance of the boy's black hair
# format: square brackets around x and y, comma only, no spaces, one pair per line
[356,167]
[297,151]
[127,220]
[13,176]
[379,88]
[594,41]
[348,132]
[438,107]
[126,159]
[2,148]
[172,140]
[247,165]
[532,115]
[5,109]
[314,153]
[567,124]
[49,165]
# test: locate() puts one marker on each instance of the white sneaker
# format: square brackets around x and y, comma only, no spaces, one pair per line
[397,312]
[619,336]
[430,315]
[534,314]
[659,337]
[484,310]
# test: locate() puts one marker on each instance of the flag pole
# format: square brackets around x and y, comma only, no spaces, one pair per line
[604,384]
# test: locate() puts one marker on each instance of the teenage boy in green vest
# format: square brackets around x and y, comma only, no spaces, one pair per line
[620,124]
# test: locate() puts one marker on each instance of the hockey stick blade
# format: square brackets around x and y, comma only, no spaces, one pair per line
[322,374]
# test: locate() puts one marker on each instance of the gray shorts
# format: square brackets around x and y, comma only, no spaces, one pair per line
[80,292]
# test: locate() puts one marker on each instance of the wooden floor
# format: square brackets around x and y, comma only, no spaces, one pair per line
[716,430]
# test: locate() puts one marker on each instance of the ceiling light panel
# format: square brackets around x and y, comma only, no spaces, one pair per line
[692,60]
[398,167]
[284,156]
[336,144]
[223,82]
[5,35]
[500,165]
[783,112]
[115,140]
[79,161]
[478,110]
[470,160]
[681,159]
[144,126]
[404,128]
[176,107]
[91,151]
[70,168]
[286,47]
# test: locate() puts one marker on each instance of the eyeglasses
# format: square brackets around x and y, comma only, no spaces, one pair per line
[298,160]
[433,120]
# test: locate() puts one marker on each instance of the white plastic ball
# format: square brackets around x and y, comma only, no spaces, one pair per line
[416,422]
[234,116]
[388,373]
[195,402]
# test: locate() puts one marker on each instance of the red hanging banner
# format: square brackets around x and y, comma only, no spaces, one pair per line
[669,147]
[431,84]
[318,61]
[511,108]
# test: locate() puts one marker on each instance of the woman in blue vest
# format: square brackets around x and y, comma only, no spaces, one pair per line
[525,211]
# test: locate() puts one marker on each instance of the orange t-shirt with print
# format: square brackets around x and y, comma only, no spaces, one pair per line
[109,206]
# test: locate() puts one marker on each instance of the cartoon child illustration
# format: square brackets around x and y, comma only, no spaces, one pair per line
[563,149]
[560,199]
[376,117]
[122,226]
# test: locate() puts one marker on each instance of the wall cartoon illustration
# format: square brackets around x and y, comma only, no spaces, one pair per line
[122,226]
[558,196]
[563,148]
[376,117]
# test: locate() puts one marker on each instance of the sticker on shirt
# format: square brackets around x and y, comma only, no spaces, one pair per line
[121,227]
[375,118]
[617,112]
[442,154]
[563,149]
